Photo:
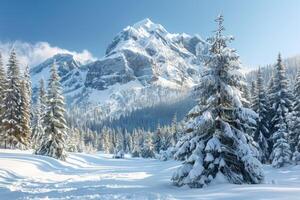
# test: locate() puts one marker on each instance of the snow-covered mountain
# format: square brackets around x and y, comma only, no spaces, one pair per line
[144,65]
[71,72]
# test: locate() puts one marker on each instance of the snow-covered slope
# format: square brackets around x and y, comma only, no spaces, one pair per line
[85,176]
[70,70]
[144,65]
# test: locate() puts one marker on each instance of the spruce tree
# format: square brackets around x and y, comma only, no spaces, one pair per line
[38,115]
[38,128]
[246,97]
[281,153]
[27,82]
[294,136]
[147,150]
[25,111]
[281,97]
[270,109]
[106,139]
[271,100]
[12,104]
[54,140]
[174,130]
[138,140]
[157,139]
[42,97]
[280,100]
[215,145]
[261,108]
[253,91]
[3,88]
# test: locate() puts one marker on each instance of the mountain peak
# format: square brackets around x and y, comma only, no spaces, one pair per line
[143,23]
[147,25]
[62,55]
[64,61]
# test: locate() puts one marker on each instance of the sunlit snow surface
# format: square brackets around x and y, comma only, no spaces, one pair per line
[84,176]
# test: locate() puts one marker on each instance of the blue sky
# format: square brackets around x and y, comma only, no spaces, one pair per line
[262,28]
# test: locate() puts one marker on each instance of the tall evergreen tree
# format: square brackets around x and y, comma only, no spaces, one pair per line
[271,99]
[12,102]
[260,106]
[107,144]
[38,128]
[215,144]
[294,136]
[42,97]
[281,96]
[281,153]
[157,140]
[54,140]
[147,150]
[271,110]
[281,106]
[253,91]
[174,130]
[3,84]
[27,82]
[25,111]
[3,88]
[246,97]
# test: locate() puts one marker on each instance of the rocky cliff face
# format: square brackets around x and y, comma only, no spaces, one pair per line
[143,65]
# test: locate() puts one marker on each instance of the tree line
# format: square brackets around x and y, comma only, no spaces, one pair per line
[42,127]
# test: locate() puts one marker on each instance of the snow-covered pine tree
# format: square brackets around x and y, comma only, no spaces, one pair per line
[129,142]
[12,104]
[3,87]
[106,139]
[37,129]
[281,153]
[27,82]
[25,112]
[42,97]
[174,130]
[38,114]
[54,140]
[280,96]
[246,100]
[259,105]
[166,138]
[157,139]
[147,150]
[137,142]
[215,146]
[124,145]
[294,135]
[119,147]
[270,96]
[271,110]
[252,91]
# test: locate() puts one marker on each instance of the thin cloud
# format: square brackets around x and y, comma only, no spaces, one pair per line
[34,54]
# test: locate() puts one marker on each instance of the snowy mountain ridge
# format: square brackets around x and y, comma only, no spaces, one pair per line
[144,65]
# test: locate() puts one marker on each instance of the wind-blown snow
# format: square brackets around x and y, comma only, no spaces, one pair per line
[98,176]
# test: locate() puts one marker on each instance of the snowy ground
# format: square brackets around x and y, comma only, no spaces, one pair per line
[84,176]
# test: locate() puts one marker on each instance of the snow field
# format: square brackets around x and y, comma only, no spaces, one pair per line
[98,176]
